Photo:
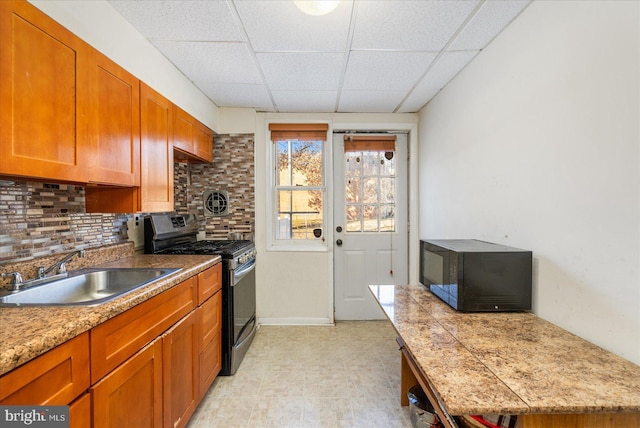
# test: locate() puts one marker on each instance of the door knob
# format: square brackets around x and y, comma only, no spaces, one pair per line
[339,242]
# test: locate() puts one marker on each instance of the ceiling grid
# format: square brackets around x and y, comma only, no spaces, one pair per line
[364,56]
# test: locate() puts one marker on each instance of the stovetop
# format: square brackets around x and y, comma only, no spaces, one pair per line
[222,247]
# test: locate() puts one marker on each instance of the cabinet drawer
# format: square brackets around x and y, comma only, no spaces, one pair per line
[54,378]
[115,340]
[209,282]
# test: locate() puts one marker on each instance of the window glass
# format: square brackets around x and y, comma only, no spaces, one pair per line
[370,192]
[299,189]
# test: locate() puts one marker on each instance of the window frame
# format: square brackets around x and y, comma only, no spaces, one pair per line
[315,244]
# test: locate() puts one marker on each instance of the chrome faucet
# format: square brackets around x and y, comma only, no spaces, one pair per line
[16,281]
[60,265]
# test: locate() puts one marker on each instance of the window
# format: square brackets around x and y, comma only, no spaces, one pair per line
[370,180]
[299,183]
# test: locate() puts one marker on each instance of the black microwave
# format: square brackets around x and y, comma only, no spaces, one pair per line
[477,276]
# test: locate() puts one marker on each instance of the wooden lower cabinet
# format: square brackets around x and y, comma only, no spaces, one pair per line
[148,367]
[54,378]
[131,395]
[115,340]
[209,282]
[80,412]
[180,366]
[209,317]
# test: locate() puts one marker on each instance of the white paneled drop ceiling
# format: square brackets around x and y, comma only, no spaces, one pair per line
[364,56]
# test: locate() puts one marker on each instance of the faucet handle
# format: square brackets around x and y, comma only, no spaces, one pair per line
[41,272]
[62,268]
[17,279]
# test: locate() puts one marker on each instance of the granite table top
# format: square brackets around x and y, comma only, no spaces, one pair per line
[27,332]
[506,363]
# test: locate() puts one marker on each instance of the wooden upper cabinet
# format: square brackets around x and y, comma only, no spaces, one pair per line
[184,130]
[156,192]
[204,143]
[192,140]
[113,123]
[42,94]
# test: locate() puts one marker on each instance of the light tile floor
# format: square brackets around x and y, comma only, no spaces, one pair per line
[347,375]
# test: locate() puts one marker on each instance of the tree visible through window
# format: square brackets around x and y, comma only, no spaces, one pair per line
[299,189]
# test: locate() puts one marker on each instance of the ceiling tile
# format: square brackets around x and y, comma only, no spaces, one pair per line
[234,95]
[302,71]
[369,101]
[215,62]
[409,25]
[446,67]
[385,70]
[492,17]
[180,20]
[306,101]
[276,26]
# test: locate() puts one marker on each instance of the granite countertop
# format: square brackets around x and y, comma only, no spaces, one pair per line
[506,363]
[28,332]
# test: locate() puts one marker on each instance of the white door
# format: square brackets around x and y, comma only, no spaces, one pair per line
[370,220]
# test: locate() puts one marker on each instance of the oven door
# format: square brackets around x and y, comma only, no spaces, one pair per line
[243,287]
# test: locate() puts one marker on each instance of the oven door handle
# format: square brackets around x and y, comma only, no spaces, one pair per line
[237,276]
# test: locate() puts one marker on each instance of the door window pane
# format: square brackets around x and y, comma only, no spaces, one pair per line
[353,164]
[387,190]
[387,218]
[353,190]
[354,218]
[371,163]
[370,218]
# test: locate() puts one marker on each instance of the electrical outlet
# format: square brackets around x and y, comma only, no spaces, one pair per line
[135,227]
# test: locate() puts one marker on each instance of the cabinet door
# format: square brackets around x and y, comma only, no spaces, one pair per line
[156,152]
[181,373]
[203,143]
[113,123]
[131,395]
[80,412]
[209,334]
[54,378]
[39,80]
[184,130]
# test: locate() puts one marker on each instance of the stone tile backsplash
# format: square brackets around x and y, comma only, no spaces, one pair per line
[232,170]
[42,219]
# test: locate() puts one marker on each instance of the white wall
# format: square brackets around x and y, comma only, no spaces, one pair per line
[296,287]
[536,145]
[100,25]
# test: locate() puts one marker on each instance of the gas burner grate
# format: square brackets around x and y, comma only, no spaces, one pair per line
[208,247]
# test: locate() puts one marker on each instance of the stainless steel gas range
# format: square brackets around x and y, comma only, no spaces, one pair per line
[177,234]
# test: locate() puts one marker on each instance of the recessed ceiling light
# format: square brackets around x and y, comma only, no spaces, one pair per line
[316,7]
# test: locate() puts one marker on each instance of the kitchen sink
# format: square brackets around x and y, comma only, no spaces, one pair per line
[85,287]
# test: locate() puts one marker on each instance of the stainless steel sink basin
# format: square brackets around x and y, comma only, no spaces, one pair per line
[85,287]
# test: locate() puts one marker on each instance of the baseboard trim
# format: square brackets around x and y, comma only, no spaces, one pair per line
[295,321]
